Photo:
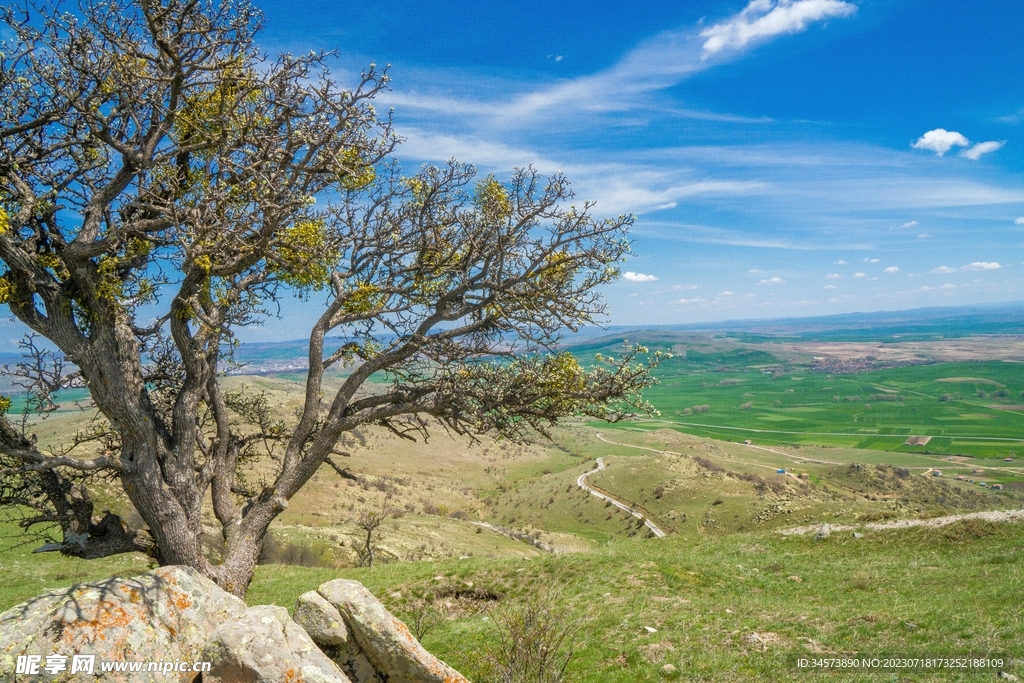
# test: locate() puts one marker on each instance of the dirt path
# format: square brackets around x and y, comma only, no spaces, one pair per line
[582,483]
[987,515]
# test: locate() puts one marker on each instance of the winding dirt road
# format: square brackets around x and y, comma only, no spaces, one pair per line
[582,483]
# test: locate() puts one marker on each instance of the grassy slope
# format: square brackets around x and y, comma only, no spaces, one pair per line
[911,592]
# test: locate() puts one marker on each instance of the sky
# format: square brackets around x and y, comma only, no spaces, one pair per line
[782,157]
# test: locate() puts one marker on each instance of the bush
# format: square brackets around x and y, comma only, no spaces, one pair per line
[295,554]
[534,641]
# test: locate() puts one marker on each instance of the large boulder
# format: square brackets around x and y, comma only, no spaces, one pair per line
[325,625]
[165,615]
[384,640]
[264,645]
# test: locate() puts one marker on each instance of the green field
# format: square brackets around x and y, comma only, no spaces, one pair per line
[967,408]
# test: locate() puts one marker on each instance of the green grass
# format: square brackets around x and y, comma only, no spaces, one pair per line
[800,407]
[948,591]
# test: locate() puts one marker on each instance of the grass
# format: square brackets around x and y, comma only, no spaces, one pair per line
[750,396]
[947,591]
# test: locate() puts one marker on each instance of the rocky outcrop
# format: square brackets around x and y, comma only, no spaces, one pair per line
[165,615]
[173,615]
[264,645]
[376,635]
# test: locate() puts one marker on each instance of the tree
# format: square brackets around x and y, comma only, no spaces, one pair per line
[163,182]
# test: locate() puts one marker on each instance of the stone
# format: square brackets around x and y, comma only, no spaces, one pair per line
[264,645]
[321,620]
[824,532]
[325,625]
[385,641]
[165,615]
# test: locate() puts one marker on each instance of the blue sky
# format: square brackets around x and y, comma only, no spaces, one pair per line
[783,157]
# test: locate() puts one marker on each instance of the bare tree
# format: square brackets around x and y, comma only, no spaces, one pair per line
[369,521]
[163,182]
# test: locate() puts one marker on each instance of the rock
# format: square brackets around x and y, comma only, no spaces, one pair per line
[326,627]
[264,645]
[384,639]
[163,615]
[670,672]
[321,620]
[824,532]
[857,535]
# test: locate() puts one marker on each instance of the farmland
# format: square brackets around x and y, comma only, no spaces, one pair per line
[788,394]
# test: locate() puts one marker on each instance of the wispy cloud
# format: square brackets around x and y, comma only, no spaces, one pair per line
[981,265]
[655,64]
[970,267]
[762,20]
[630,276]
[975,152]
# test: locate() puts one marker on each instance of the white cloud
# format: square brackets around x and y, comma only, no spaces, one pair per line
[764,19]
[975,152]
[892,269]
[1019,221]
[977,265]
[859,275]
[940,141]
[909,224]
[830,286]
[638,277]
[833,276]
[772,281]
[840,262]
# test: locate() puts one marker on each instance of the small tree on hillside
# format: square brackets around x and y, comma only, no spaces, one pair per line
[163,182]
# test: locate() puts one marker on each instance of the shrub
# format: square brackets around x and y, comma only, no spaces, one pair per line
[534,641]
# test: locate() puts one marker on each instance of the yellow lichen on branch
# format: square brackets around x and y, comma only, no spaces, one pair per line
[492,200]
[306,255]
[363,299]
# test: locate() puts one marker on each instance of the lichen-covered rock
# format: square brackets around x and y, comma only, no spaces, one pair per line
[326,627]
[384,639]
[321,620]
[264,645]
[165,615]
